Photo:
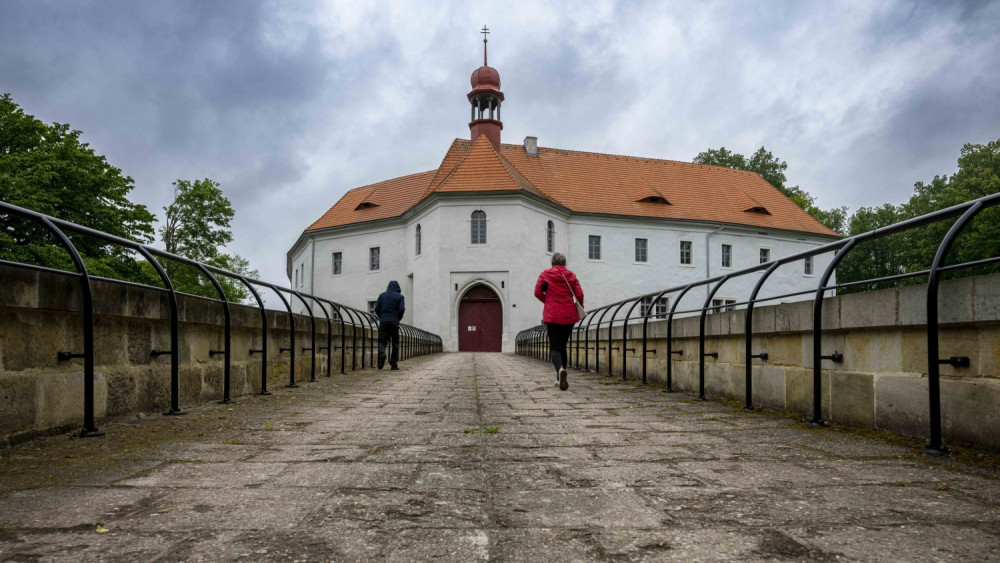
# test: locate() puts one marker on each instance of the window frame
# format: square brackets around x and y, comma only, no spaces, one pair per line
[590,248]
[481,222]
[371,306]
[724,258]
[690,253]
[645,250]
[808,267]
[550,237]
[375,252]
[764,249]
[334,262]
[660,310]
[722,304]
[418,238]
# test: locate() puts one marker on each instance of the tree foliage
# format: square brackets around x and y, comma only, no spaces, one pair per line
[773,170]
[46,168]
[914,250]
[197,227]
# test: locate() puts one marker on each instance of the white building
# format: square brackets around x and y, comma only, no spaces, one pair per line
[467,240]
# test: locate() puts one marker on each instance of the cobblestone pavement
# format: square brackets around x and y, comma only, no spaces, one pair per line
[470,457]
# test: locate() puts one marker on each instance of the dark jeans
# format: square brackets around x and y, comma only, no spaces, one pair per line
[558,336]
[389,330]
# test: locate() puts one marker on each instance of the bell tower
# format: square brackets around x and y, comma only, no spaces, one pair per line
[485,98]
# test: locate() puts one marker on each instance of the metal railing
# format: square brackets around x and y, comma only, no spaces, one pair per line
[413,341]
[534,341]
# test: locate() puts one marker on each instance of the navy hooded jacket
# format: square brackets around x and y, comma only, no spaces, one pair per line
[390,305]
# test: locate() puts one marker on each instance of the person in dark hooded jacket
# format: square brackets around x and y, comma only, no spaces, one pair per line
[389,308]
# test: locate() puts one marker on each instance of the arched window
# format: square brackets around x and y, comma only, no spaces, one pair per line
[550,237]
[418,240]
[478,227]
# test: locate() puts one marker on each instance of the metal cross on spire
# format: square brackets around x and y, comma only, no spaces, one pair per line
[485,31]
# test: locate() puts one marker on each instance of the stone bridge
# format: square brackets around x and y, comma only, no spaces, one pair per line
[476,457]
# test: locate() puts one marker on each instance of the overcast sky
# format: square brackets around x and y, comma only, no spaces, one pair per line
[290,104]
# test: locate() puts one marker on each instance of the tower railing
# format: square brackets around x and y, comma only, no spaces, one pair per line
[533,342]
[413,342]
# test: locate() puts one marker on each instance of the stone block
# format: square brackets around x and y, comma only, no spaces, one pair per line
[869,310]
[958,342]
[764,319]
[986,299]
[989,351]
[60,293]
[830,342]
[147,303]
[914,345]
[873,351]
[799,392]
[110,298]
[19,288]
[768,386]
[969,413]
[723,381]
[17,404]
[901,404]
[912,305]
[783,350]
[794,317]
[955,302]
[60,399]
[852,398]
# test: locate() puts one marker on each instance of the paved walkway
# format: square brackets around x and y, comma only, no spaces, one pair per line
[469,457]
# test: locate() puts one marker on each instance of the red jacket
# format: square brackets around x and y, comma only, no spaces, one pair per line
[559,307]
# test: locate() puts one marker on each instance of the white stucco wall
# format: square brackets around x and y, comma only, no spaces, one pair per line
[515,252]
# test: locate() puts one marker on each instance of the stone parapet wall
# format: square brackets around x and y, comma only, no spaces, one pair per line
[41,315]
[882,380]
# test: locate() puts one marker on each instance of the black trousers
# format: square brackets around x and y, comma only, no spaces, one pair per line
[388,330]
[558,336]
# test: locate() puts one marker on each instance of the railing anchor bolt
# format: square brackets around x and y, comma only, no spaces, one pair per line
[64,356]
[835,357]
[957,361]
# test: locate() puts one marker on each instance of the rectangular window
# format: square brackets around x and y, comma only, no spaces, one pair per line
[685,252]
[338,263]
[296,278]
[662,307]
[641,246]
[374,258]
[722,304]
[807,266]
[727,256]
[371,307]
[594,247]
[765,255]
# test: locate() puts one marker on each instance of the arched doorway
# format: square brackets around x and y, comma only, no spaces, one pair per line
[480,321]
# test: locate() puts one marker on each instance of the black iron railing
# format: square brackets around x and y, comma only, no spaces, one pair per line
[413,341]
[534,341]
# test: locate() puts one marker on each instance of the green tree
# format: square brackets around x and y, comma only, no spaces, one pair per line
[46,168]
[773,170]
[875,258]
[197,227]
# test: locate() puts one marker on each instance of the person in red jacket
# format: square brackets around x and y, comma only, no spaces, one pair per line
[556,288]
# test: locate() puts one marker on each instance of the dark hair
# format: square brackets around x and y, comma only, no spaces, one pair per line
[558,259]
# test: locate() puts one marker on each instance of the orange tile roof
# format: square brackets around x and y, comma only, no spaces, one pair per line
[586,182]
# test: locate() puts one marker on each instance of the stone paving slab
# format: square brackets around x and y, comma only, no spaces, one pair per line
[478,457]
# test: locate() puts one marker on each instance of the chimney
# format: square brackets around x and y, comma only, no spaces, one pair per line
[531,146]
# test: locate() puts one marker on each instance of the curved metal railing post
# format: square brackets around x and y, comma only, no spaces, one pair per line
[611,338]
[817,419]
[748,335]
[701,337]
[586,340]
[624,344]
[227,336]
[174,335]
[354,337]
[597,339]
[312,343]
[263,339]
[645,324]
[670,339]
[291,332]
[936,445]
[329,334]
[89,423]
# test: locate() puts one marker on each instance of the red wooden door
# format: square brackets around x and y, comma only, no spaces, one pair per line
[480,321]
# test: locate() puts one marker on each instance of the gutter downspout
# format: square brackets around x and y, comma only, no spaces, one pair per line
[708,264]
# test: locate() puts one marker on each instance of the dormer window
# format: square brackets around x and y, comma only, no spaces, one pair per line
[365,205]
[654,199]
[757,209]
